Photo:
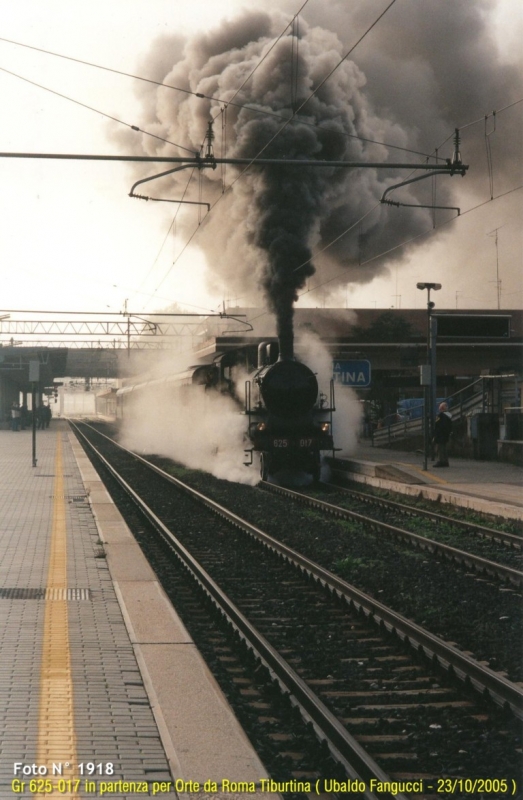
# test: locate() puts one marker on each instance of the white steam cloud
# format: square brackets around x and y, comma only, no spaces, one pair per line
[347,418]
[201,430]
[206,430]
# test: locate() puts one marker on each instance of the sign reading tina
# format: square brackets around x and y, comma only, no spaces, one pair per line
[351,373]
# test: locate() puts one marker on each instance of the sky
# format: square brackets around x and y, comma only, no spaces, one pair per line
[73,240]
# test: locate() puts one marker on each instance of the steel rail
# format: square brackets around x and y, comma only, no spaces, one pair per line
[514,576]
[512,539]
[345,749]
[502,691]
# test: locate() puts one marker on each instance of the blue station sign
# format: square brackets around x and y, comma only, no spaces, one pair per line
[352,373]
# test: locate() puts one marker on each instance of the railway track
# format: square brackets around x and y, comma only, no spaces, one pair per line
[482,565]
[479,612]
[512,540]
[375,673]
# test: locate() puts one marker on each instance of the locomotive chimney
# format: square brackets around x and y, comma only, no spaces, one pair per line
[286,340]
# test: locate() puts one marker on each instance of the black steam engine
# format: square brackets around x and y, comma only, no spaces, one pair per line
[290,420]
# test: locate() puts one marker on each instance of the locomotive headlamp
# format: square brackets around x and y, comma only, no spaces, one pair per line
[260,426]
[325,427]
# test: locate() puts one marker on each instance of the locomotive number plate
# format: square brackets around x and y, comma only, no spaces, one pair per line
[305,442]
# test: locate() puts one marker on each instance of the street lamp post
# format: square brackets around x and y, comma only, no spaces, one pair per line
[428,376]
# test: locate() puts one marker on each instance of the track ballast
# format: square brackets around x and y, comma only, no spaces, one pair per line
[408,713]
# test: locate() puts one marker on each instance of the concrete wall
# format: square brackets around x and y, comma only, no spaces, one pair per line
[72,404]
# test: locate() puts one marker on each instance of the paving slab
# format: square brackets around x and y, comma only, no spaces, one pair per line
[491,487]
[201,736]
[143,704]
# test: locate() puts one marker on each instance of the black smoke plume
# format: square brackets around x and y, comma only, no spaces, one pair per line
[423,63]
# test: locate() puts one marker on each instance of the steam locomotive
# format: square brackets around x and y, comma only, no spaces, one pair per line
[290,420]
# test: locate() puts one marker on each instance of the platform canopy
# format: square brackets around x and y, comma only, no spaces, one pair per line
[17,365]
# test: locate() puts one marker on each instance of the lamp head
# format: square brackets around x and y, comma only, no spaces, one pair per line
[434,286]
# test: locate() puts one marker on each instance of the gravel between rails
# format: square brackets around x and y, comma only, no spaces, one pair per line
[444,532]
[477,614]
[440,507]
[485,751]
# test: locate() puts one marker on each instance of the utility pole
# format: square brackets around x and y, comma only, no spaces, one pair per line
[34,378]
[126,314]
[428,374]
[498,282]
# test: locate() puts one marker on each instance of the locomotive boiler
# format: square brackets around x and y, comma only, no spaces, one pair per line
[290,420]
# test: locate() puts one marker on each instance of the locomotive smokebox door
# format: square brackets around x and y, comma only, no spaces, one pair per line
[289,389]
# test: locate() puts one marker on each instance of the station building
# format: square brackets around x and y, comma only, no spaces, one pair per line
[376,352]
[379,354]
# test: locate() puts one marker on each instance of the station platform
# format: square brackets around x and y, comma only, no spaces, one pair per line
[490,487]
[98,675]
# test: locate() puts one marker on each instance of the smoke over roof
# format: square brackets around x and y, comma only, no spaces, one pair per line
[421,72]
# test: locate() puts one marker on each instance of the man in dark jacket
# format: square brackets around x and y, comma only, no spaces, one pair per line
[442,431]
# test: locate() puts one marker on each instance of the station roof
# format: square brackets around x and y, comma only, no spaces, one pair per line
[15,365]
[346,323]
[342,330]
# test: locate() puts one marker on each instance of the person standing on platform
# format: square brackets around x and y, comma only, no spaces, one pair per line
[442,431]
[40,417]
[15,417]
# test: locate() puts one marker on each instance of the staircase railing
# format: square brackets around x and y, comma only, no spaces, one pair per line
[473,397]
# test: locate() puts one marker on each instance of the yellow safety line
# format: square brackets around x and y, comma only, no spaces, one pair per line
[56,735]
[424,472]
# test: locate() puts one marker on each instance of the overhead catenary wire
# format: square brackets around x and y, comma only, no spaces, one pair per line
[345,57]
[461,128]
[421,235]
[184,248]
[223,109]
[351,227]
[171,226]
[322,82]
[288,121]
[138,77]
[418,236]
[201,95]
[96,110]
[490,166]
[483,119]
[492,113]
[271,48]
[295,61]
[223,112]
[136,128]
